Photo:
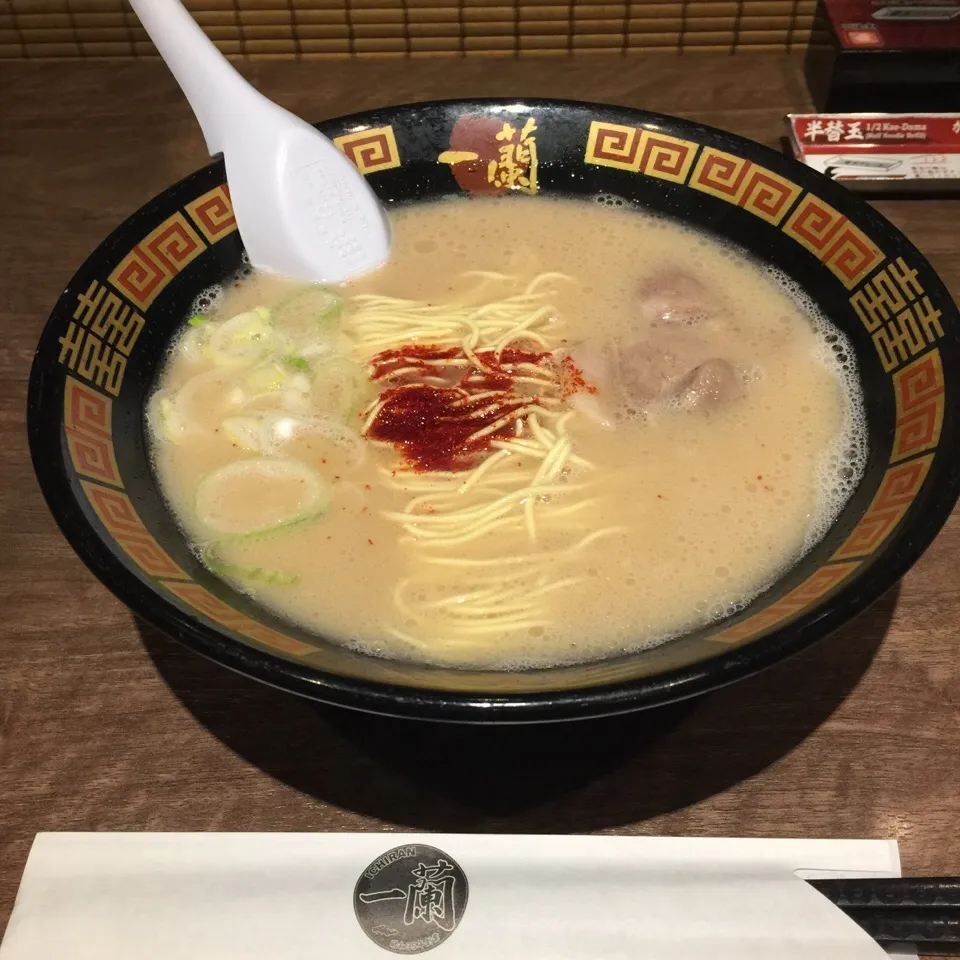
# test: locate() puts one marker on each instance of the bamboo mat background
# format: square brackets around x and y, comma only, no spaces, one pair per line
[330,29]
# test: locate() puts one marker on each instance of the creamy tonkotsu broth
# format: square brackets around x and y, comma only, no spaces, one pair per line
[547,431]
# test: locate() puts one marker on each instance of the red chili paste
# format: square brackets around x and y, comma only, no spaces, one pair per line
[450,424]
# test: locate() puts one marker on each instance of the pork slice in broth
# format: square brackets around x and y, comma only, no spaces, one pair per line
[675,297]
[710,385]
[646,370]
[660,369]
[674,361]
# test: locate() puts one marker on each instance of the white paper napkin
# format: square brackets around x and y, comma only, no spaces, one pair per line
[463,897]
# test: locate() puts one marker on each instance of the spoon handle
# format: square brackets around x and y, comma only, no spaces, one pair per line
[212,86]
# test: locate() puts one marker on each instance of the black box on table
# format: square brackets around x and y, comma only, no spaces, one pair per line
[885,56]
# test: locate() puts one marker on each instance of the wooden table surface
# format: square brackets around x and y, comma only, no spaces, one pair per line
[107,725]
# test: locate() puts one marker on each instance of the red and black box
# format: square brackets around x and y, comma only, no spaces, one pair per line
[886,56]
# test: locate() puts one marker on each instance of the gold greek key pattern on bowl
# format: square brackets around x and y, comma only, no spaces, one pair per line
[204,602]
[844,248]
[613,145]
[371,150]
[746,184]
[814,588]
[117,514]
[897,491]
[87,424]
[213,213]
[144,272]
[665,157]
[639,151]
[919,390]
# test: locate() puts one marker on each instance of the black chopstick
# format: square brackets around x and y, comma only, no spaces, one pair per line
[918,910]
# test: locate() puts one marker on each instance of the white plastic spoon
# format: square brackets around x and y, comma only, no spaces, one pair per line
[302,208]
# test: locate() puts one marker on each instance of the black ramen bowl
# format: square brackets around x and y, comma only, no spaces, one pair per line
[103,346]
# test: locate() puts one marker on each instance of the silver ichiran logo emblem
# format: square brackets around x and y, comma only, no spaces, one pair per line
[410,899]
